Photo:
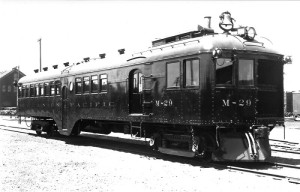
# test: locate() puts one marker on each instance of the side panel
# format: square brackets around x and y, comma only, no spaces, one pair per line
[64,106]
[206,88]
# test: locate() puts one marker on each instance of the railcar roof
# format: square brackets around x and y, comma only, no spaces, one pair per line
[180,48]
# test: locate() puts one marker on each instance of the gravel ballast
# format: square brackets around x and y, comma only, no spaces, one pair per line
[33,163]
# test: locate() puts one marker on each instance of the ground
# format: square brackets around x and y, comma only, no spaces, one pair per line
[32,163]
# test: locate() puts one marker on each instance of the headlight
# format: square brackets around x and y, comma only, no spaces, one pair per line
[248,33]
[251,33]
[217,53]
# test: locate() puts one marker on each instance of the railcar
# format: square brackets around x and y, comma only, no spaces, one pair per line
[199,93]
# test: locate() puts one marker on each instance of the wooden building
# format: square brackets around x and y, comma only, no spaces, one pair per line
[8,92]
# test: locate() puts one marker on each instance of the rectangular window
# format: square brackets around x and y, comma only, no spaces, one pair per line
[141,78]
[52,88]
[47,89]
[173,74]
[3,88]
[94,84]
[135,83]
[37,90]
[103,82]
[8,88]
[27,91]
[16,77]
[32,91]
[41,89]
[224,71]
[86,84]
[246,72]
[78,85]
[57,88]
[269,73]
[23,91]
[192,69]
[19,91]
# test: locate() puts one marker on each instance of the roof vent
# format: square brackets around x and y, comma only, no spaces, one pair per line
[102,55]
[55,66]
[87,59]
[121,51]
[208,21]
[45,68]
[66,64]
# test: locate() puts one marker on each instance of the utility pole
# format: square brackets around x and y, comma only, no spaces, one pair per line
[40,40]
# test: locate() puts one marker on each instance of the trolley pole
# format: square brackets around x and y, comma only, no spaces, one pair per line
[40,40]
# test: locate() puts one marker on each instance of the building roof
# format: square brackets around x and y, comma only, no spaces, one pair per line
[6,72]
[3,73]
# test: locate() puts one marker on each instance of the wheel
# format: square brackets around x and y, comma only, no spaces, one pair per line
[206,145]
[155,141]
[76,131]
[38,130]
[50,131]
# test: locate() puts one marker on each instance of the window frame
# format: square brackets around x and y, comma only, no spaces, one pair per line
[101,85]
[3,89]
[20,92]
[84,85]
[253,72]
[9,89]
[46,89]
[27,92]
[180,78]
[233,74]
[96,85]
[52,90]
[32,90]
[185,72]
[23,92]
[42,89]
[57,88]
[37,90]
[77,91]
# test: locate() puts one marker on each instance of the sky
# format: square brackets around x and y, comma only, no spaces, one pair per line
[72,30]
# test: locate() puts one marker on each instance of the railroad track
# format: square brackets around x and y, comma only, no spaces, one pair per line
[275,170]
[285,146]
[273,174]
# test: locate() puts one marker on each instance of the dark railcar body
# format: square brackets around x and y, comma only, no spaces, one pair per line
[177,95]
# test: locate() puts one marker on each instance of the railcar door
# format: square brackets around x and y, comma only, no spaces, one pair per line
[64,106]
[136,92]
